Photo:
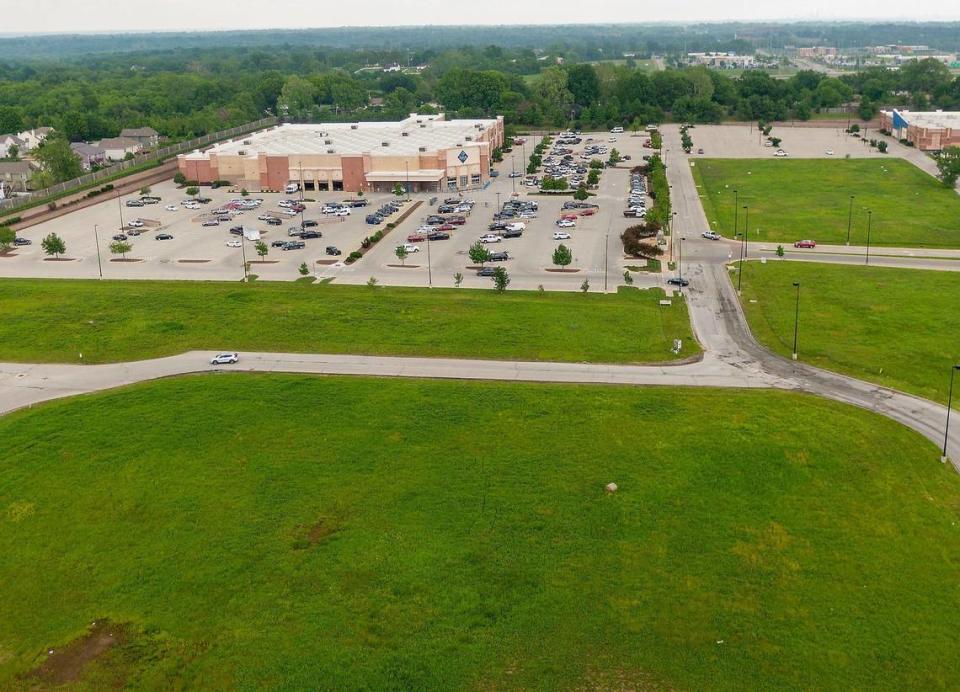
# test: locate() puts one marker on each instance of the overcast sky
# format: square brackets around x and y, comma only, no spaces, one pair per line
[55,16]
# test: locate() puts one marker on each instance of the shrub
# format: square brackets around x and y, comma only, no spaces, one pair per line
[390,227]
[179,178]
[366,243]
[882,147]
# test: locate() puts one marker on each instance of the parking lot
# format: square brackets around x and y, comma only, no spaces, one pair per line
[202,253]
[743,141]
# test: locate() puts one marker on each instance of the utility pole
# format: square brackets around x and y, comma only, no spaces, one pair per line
[120,207]
[746,231]
[736,213]
[796,320]
[96,238]
[243,253]
[946,431]
[869,219]
[429,265]
[849,219]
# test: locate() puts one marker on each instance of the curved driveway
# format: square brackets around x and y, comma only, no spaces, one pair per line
[732,358]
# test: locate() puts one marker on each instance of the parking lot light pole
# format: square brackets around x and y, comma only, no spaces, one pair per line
[796,320]
[736,212]
[120,207]
[946,431]
[746,231]
[849,219]
[96,238]
[740,267]
[869,219]
[429,265]
[243,253]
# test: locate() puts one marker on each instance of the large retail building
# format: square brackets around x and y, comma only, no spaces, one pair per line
[928,130]
[421,153]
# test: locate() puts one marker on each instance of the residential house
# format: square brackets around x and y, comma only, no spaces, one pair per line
[117,148]
[14,175]
[34,138]
[146,136]
[9,141]
[89,154]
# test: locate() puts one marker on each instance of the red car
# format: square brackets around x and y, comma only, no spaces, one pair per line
[588,212]
[458,220]
[416,238]
[805,243]
[568,217]
[447,227]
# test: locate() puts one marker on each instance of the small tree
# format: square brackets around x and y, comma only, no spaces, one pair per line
[402,254]
[372,282]
[500,279]
[478,253]
[7,236]
[614,157]
[179,178]
[303,269]
[585,286]
[193,191]
[581,193]
[457,279]
[627,277]
[948,163]
[780,251]
[53,245]
[359,193]
[562,256]
[13,152]
[120,247]
[398,190]
[243,192]
[261,248]
[775,141]
[145,190]
[882,146]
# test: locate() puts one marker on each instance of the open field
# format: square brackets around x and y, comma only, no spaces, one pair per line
[793,200]
[896,327]
[283,530]
[55,321]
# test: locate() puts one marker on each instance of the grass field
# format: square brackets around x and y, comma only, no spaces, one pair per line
[55,321]
[791,200]
[896,327]
[298,532]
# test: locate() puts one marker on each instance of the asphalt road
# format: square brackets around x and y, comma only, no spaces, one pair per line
[733,358]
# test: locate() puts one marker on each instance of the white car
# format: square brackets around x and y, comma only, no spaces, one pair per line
[517,226]
[225,358]
[171,207]
[515,174]
[330,210]
[829,152]
[289,212]
[234,243]
[612,139]
[491,238]
[710,235]
[191,205]
[264,217]
[566,223]
[410,247]
[561,235]
[342,212]
[780,152]
[136,223]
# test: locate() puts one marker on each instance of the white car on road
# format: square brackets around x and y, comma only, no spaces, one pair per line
[711,235]
[491,238]
[780,153]
[561,235]
[225,358]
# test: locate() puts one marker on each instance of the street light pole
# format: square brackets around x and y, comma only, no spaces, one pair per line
[96,238]
[606,265]
[120,207]
[407,164]
[736,213]
[746,231]
[946,431]
[849,219]
[869,219]
[513,170]
[429,265]
[243,253]
[796,320]
[740,269]
[680,261]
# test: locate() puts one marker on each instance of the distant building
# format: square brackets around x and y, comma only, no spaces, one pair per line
[146,136]
[89,154]
[928,131]
[14,175]
[722,61]
[7,142]
[422,152]
[34,138]
[117,148]
[816,52]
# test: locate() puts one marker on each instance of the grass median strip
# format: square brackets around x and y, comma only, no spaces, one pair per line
[56,320]
[280,529]
[792,200]
[896,327]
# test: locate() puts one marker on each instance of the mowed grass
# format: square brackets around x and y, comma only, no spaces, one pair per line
[896,327]
[795,199]
[299,532]
[55,321]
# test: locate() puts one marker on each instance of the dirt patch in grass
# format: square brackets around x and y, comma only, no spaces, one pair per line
[326,261]
[7,253]
[66,665]
[309,536]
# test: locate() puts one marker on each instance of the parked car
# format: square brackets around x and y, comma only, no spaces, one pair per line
[278,243]
[805,244]
[309,235]
[438,235]
[678,281]
[274,221]
[225,358]
[310,222]
[22,241]
[780,153]
[490,238]
[561,235]
[119,237]
[134,203]
[512,233]
[374,219]
[133,232]
[163,236]
[234,243]
[711,235]
[136,223]
[566,223]
[416,238]
[171,207]
[410,248]
[333,250]
[499,257]
[294,245]
[210,222]
[486,271]
[700,150]
[236,230]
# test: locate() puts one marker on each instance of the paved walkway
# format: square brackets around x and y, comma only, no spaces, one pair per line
[733,358]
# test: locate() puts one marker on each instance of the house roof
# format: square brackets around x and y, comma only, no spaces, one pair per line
[118,143]
[15,168]
[11,139]
[138,132]
[85,149]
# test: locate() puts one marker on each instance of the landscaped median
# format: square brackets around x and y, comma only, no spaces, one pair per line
[56,320]
[897,327]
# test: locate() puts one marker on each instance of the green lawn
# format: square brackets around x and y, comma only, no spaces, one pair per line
[791,200]
[47,321]
[253,531]
[897,327]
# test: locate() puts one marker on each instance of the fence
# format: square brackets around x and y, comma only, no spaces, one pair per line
[21,201]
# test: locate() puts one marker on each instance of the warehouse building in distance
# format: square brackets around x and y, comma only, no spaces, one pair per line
[928,130]
[422,153]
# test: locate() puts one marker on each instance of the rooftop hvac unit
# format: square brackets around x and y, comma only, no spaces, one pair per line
[423,124]
[479,126]
[328,141]
[354,127]
[242,152]
[423,148]
[469,138]
[404,134]
[247,142]
[384,144]
[419,120]
[330,151]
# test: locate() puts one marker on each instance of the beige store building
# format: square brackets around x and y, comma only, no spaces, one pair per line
[421,153]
